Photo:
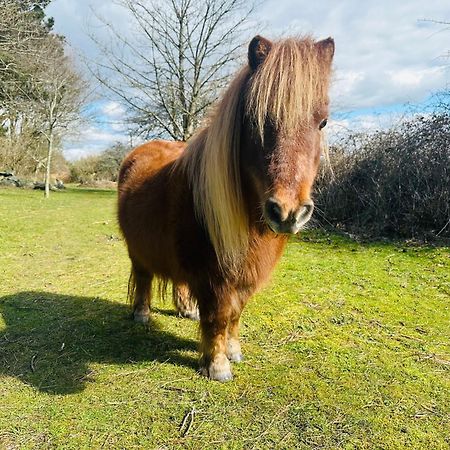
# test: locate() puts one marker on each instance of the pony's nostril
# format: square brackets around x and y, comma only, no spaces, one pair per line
[273,211]
[305,212]
[279,222]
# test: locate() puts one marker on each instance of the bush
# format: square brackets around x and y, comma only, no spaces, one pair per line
[394,182]
[99,168]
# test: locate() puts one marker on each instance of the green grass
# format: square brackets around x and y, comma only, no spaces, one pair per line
[348,347]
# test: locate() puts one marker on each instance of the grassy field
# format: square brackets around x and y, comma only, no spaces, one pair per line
[348,347]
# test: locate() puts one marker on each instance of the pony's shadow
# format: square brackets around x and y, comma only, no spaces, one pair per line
[50,340]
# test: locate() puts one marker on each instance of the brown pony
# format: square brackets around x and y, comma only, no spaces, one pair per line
[214,217]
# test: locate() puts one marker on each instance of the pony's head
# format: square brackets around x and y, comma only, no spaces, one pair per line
[263,141]
[286,107]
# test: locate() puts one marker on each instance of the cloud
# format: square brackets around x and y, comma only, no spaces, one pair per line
[113,110]
[93,141]
[385,53]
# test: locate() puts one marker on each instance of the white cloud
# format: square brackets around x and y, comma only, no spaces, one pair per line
[385,53]
[93,141]
[119,127]
[113,110]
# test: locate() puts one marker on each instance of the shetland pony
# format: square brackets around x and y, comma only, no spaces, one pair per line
[213,216]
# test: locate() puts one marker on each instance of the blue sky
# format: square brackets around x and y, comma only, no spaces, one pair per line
[388,54]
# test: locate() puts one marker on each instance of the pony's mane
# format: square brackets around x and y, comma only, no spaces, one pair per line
[284,89]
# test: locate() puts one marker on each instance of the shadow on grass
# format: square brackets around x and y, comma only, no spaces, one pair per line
[50,340]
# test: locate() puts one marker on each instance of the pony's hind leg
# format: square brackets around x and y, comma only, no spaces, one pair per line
[140,294]
[185,305]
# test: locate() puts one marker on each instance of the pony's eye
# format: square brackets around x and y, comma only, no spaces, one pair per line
[323,123]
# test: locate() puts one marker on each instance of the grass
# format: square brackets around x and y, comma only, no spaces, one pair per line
[348,347]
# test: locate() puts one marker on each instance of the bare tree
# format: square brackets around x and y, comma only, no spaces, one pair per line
[17,32]
[173,67]
[24,29]
[61,96]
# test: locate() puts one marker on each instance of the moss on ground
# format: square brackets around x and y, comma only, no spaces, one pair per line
[348,347]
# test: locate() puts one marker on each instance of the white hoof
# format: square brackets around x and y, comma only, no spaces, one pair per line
[192,315]
[234,352]
[219,369]
[236,357]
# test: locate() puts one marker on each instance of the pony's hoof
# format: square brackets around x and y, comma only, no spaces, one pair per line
[192,315]
[234,353]
[141,318]
[236,357]
[218,370]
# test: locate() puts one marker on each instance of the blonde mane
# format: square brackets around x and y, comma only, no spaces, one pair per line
[285,89]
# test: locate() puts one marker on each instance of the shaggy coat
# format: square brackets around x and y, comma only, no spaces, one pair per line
[213,216]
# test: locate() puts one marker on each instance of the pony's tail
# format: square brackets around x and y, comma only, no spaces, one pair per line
[131,294]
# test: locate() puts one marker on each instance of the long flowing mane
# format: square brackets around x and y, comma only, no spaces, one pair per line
[285,89]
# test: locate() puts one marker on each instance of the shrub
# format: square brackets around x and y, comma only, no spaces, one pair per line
[394,182]
[99,168]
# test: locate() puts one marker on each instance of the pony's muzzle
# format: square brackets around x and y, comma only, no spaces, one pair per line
[288,222]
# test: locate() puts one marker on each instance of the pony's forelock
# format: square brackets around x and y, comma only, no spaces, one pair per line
[289,85]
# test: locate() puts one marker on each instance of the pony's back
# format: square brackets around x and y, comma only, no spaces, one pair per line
[145,160]
[148,202]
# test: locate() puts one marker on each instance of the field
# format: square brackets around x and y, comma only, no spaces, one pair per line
[347,347]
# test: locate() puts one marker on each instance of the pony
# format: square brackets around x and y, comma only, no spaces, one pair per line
[213,216]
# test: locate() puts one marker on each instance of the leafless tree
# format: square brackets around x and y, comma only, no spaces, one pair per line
[61,95]
[21,33]
[175,63]
[17,33]
[41,93]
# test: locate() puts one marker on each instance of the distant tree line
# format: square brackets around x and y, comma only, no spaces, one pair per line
[41,92]
[99,169]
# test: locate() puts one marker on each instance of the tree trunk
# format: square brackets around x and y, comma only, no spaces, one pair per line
[49,162]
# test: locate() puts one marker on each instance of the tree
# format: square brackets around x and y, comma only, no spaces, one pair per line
[23,26]
[24,29]
[41,93]
[102,167]
[61,95]
[172,69]
[109,161]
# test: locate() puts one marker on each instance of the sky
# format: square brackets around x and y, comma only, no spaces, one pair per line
[389,55]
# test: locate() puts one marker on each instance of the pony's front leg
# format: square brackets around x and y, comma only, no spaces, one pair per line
[214,327]
[214,360]
[234,352]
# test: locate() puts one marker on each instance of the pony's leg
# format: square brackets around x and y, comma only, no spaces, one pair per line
[216,312]
[185,304]
[234,352]
[142,293]
[214,362]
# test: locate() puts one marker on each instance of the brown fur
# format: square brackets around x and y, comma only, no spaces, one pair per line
[196,217]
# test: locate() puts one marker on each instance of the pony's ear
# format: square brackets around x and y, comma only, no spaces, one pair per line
[326,48]
[258,50]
